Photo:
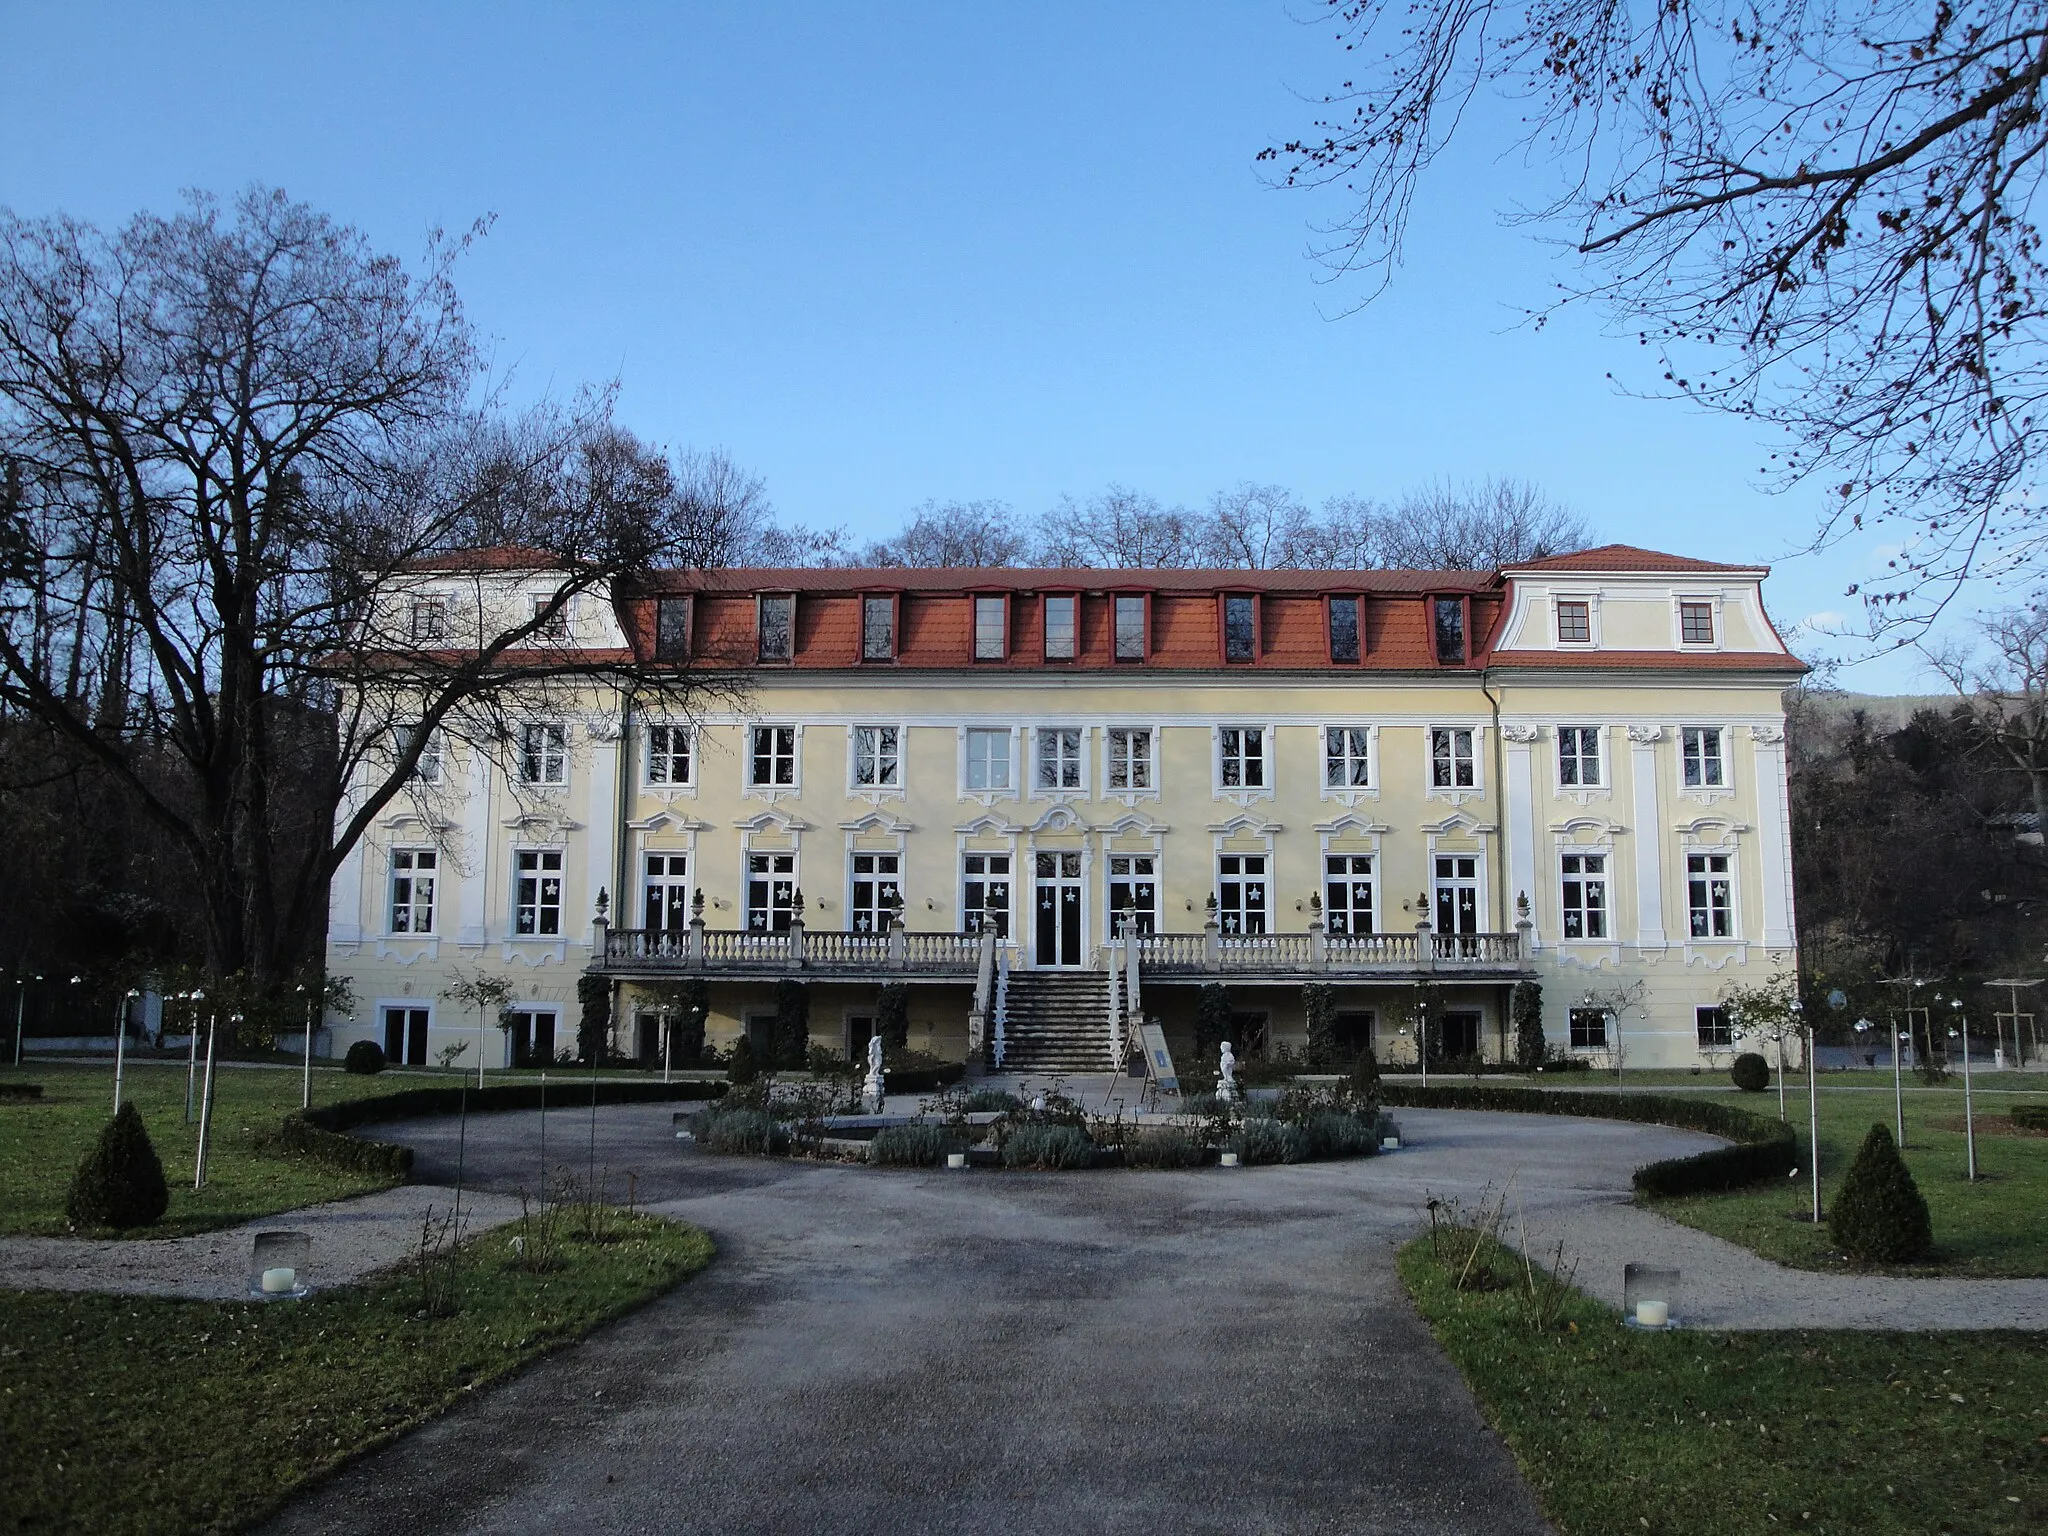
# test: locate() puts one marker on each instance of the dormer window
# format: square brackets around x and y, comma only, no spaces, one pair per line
[1447,625]
[671,628]
[1061,627]
[777,628]
[878,629]
[991,628]
[1696,623]
[429,619]
[1345,630]
[1240,627]
[1574,621]
[1130,626]
[546,625]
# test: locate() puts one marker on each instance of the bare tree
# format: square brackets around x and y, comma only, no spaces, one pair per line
[240,448]
[956,534]
[1120,529]
[2006,692]
[1821,214]
[1481,527]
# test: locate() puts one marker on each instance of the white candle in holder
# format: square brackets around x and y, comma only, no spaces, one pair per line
[1653,1314]
[956,1159]
[277,1281]
[1227,1160]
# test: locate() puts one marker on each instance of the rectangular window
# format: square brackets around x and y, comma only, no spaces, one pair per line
[1585,895]
[1457,894]
[878,629]
[1574,621]
[1130,758]
[1700,747]
[877,757]
[412,889]
[1240,628]
[773,760]
[548,626]
[1241,893]
[991,628]
[429,619]
[771,892]
[1709,896]
[1134,893]
[1059,758]
[777,628]
[671,628]
[985,896]
[1448,624]
[665,893]
[1696,623]
[1578,756]
[1130,628]
[1347,761]
[1347,892]
[1589,1029]
[877,890]
[537,893]
[1241,758]
[1451,764]
[1344,629]
[988,759]
[544,753]
[427,770]
[1060,628]
[668,754]
[1716,1030]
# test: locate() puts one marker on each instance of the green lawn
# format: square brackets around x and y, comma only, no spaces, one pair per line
[41,1142]
[127,1414]
[1712,1434]
[1992,1227]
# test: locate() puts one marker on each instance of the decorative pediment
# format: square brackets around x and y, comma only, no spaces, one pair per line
[1060,818]
[1135,823]
[413,821]
[1245,824]
[1460,823]
[1598,825]
[988,826]
[1348,825]
[1711,829]
[876,821]
[537,823]
[668,821]
[772,820]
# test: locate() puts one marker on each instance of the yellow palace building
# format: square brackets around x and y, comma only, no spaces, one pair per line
[1055,802]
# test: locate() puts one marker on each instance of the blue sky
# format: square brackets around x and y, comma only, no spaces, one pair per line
[888,253]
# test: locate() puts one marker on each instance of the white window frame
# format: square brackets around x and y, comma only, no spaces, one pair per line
[1240,878]
[1482,917]
[881,880]
[1734,904]
[651,755]
[1354,733]
[432,760]
[1077,761]
[1129,791]
[558,627]
[1218,742]
[1347,877]
[410,874]
[1476,757]
[796,755]
[795,873]
[1592,640]
[988,793]
[666,881]
[1723,739]
[427,619]
[983,878]
[1585,910]
[1558,733]
[887,752]
[1131,878]
[539,873]
[1712,600]
[550,760]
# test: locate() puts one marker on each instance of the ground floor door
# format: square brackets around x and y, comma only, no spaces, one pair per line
[1352,1032]
[1057,903]
[533,1037]
[405,1036]
[1460,1034]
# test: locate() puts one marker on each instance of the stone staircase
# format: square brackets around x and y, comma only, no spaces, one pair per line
[1058,1021]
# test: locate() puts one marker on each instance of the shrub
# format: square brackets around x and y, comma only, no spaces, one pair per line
[1365,1077]
[1161,1146]
[1212,1022]
[594,1023]
[912,1146]
[919,1071]
[1752,1074]
[1338,1133]
[1269,1141]
[984,1101]
[365,1058]
[792,1022]
[1526,1009]
[742,1068]
[1048,1146]
[892,1015]
[1319,1002]
[120,1182]
[2031,1117]
[1879,1215]
[741,1130]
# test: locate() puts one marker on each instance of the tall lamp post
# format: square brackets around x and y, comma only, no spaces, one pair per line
[20,1011]
[121,1041]
[1962,1031]
[306,1085]
[195,997]
[1812,1105]
[206,1097]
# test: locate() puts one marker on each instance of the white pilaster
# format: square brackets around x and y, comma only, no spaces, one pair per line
[473,926]
[602,822]
[1774,829]
[1649,831]
[345,899]
[1521,829]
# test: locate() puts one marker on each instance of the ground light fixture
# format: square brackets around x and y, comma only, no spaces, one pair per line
[1649,1293]
[279,1265]
[21,1010]
[1864,1026]
[195,997]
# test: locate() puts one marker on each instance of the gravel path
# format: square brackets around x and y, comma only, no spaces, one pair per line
[351,1238]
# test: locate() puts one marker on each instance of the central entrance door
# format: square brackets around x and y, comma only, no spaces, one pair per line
[405,1036]
[1058,908]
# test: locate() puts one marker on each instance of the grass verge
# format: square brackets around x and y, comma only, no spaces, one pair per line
[1731,1434]
[136,1414]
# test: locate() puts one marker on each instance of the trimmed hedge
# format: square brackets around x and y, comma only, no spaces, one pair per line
[20,1093]
[2030,1117]
[317,1133]
[1764,1148]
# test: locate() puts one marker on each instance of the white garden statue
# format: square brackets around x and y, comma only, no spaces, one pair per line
[871,1090]
[1226,1075]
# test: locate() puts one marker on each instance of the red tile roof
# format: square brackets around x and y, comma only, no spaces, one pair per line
[1627,557]
[495,557]
[890,578]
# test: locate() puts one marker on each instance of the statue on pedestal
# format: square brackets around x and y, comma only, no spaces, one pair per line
[871,1090]
[1226,1075]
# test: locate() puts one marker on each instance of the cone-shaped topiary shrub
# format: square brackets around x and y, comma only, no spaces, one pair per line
[1751,1072]
[1879,1215]
[119,1183]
